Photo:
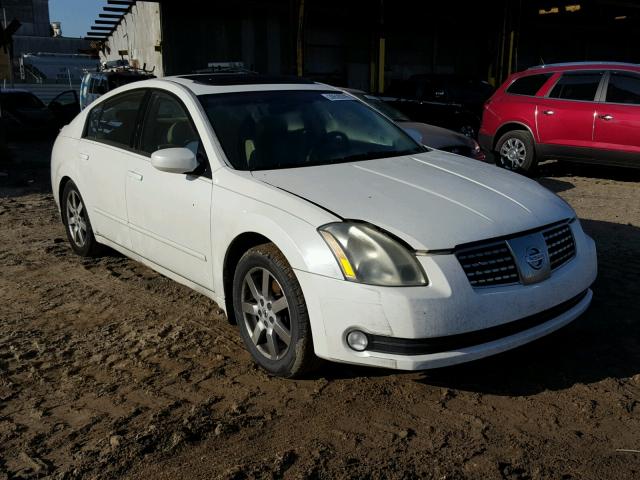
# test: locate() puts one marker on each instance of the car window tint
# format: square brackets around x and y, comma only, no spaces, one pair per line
[624,88]
[65,98]
[577,86]
[16,100]
[167,124]
[528,85]
[92,122]
[118,119]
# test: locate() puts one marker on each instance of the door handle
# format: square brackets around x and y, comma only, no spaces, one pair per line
[606,117]
[549,112]
[83,156]
[134,175]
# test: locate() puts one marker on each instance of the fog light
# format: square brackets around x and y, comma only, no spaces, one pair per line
[357,340]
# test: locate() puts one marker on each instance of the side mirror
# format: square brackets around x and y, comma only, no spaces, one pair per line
[174,160]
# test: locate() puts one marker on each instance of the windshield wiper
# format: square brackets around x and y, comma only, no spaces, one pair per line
[375,154]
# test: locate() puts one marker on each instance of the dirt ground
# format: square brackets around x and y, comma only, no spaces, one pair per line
[109,370]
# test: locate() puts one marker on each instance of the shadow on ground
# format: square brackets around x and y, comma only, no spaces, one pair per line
[26,170]
[567,169]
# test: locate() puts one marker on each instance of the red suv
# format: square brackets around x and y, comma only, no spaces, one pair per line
[585,112]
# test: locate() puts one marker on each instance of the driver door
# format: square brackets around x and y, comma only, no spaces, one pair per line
[169,213]
[65,107]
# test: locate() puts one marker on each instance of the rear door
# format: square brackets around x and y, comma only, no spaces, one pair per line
[617,123]
[565,117]
[170,214]
[104,154]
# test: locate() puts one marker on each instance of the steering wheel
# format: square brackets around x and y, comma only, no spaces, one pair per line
[328,143]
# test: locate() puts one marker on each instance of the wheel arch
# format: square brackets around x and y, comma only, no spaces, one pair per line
[61,185]
[509,127]
[236,249]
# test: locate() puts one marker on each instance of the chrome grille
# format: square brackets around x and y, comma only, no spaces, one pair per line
[488,265]
[560,245]
[492,263]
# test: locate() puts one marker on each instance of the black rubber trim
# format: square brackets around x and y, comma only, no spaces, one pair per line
[225,79]
[488,241]
[424,346]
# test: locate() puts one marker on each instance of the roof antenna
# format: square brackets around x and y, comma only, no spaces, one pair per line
[542,61]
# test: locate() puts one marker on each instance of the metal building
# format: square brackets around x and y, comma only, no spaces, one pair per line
[368,43]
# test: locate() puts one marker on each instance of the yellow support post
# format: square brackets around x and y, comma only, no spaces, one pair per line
[381,63]
[299,43]
[511,51]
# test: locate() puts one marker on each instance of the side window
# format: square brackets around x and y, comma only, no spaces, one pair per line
[64,99]
[623,88]
[117,119]
[529,85]
[91,130]
[101,86]
[577,86]
[167,124]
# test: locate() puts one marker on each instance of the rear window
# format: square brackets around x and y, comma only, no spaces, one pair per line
[528,85]
[16,100]
[577,86]
[113,121]
[624,88]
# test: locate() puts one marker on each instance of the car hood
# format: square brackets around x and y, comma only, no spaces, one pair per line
[431,200]
[436,137]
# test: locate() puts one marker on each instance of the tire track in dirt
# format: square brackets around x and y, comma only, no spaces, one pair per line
[110,370]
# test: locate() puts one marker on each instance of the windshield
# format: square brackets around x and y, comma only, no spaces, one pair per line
[385,108]
[285,129]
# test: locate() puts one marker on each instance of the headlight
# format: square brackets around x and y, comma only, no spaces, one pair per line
[367,255]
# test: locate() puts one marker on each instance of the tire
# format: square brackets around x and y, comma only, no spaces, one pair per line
[515,151]
[268,321]
[76,222]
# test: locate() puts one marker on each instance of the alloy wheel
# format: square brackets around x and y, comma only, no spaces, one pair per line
[76,219]
[513,153]
[265,312]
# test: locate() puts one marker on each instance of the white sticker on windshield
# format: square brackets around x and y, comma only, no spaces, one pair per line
[337,96]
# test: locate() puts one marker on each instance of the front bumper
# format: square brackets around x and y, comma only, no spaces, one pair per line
[486,142]
[447,307]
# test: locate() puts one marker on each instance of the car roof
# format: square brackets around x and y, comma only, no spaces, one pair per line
[14,90]
[562,67]
[207,83]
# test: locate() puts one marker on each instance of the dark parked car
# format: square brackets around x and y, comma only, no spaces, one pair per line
[23,114]
[429,135]
[449,101]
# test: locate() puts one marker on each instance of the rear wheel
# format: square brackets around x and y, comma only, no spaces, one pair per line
[515,151]
[76,221]
[271,313]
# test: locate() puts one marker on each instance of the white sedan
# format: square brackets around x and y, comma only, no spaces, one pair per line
[320,227]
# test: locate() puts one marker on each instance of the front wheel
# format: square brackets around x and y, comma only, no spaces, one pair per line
[515,151]
[271,313]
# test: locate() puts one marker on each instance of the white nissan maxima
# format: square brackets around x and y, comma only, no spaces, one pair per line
[320,227]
